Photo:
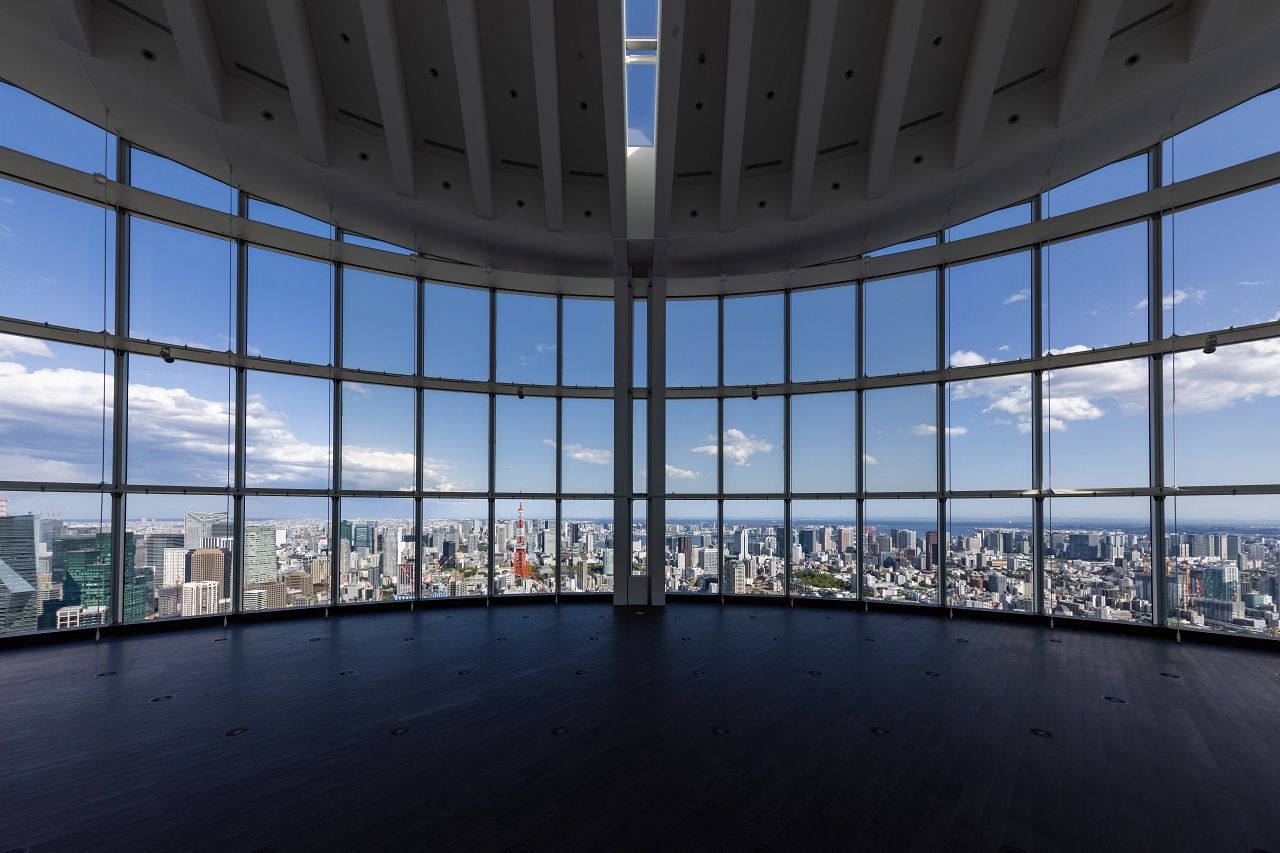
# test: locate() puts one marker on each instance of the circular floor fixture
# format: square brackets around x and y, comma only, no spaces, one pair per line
[931,673]
[1041,732]
[164,698]
[1170,675]
[347,672]
[1116,699]
[814,672]
[235,732]
[877,730]
[559,730]
[105,674]
[464,672]
[719,730]
[579,672]
[399,730]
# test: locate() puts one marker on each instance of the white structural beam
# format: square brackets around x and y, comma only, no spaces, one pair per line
[986,53]
[1208,25]
[737,76]
[1087,44]
[193,35]
[393,100]
[298,56]
[73,22]
[465,33]
[670,49]
[542,32]
[891,91]
[813,91]
[614,110]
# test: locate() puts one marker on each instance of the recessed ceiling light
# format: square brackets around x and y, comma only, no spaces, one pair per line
[937,41]
[768,96]
[519,202]
[1133,59]
[344,38]
[446,184]
[582,105]
[363,155]
[702,57]
[513,94]
[693,214]
[760,203]
[848,75]
[698,106]
[917,159]
[148,54]
[836,185]
[587,213]
[1013,119]
[435,72]
[268,115]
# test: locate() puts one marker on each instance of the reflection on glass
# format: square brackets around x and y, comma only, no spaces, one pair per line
[1117,180]
[692,554]
[823,549]
[899,329]
[289,426]
[824,333]
[586,460]
[900,551]
[989,438]
[286,553]
[1097,558]
[455,548]
[455,441]
[989,310]
[181,423]
[1096,290]
[290,306]
[378,327]
[588,342]
[377,437]
[527,338]
[376,550]
[753,339]
[1095,425]
[179,556]
[692,449]
[524,547]
[754,536]
[824,429]
[586,546]
[525,444]
[181,286]
[752,446]
[455,332]
[900,448]
[692,340]
[990,555]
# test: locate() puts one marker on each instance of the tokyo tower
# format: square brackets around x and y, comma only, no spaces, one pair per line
[520,563]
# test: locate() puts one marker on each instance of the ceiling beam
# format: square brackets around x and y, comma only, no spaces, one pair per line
[465,33]
[381,34]
[670,49]
[986,54]
[73,22]
[298,56]
[813,92]
[542,31]
[737,76]
[1208,25]
[614,110]
[1087,44]
[891,91]
[198,50]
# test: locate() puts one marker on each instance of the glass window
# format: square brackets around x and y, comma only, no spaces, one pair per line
[370,243]
[526,339]
[586,463]
[455,441]
[455,542]
[1240,134]
[1221,410]
[378,327]
[693,339]
[182,286]
[753,353]
[456,324]
[524,537]
[900,551]
[181,560]
[376,550]
[642,97]
[692,449]
[1096,289]
[823,549]
[165,177]
[525,444]
[640,343]
[691,548]
[824,333]
[1222,264]
[286,552]
[905,246]
[989,438]
[990,555]
[588,342]
[289,431]
[377,437]
[1223,564]
[36,127]
[290,307]
[989,310]
[756,538]
[639,538]
[752,446]
[640,446]
[1096,429]
[642,18]
[586,546]
[58,260]
[283,217]
[997,220]
[1118,180]
[900,448]
[824,429]
[55,420]
[1097,558]
[181,423]
[900,327]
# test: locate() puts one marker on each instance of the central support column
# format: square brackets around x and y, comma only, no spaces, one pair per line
[656,477]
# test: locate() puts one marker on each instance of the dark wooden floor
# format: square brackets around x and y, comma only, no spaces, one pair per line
[537,728]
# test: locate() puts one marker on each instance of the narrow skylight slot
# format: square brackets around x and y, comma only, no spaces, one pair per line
[641,58]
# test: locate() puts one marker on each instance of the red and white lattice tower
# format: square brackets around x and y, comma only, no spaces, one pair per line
[520,563]
[4,506]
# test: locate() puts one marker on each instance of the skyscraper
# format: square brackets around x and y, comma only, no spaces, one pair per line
[259,554]
[18,604]
[204,525]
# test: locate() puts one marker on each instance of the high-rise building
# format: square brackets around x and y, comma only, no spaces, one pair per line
[201,526]
[19,604]
[259,554]
[200,598]
[208,565]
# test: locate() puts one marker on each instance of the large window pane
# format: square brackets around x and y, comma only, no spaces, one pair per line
[989,310]
[36,127]
[181,424]
[824,430]
[181,286]
[900,551]
[824,333]
[1118,180]
[823,548]
[755,537]
[588,342]
[289,426]
[586,546]
[455,442]
[58,260]
[290,307]
[586,460]
[1240,134]
[753,348]
[181,560]
[639,565]
[1222,264]
[524,536]
[692,449]
[989,437]
[1097,562]
[376,550]
[526,339]
[378,327]
[283,217]
[1096,290]
[57,547]
[56,405]
[753,455]
[900,449]
[377,437]
[900,326]
[640,446]
[642,96]
[990,555]
[455,557]
[640,343]
[1223,569]
[1095,423]
[525,444]
[286,552]
[691,548]
[997,220]
[456,332]
[164,176]
[693,339]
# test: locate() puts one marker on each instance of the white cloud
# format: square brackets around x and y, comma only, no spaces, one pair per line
[1002,348]
[966,358]
[674,473]
[1177,298]
[738,447]
[579,453]
[541,348]
[1021,296]
[1254,283]
[1233,374]
[5,231]
[13,346]
[869,459]
[930,429]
